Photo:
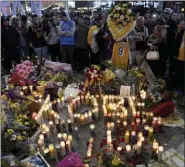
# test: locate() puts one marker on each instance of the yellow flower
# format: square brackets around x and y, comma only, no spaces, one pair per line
[4,97]
[115,15]
[124,5]
[129,12]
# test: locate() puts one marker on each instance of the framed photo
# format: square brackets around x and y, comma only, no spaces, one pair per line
[125,91]
[36,160]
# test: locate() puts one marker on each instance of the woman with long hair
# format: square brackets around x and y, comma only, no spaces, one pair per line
[156,41]
[52,40]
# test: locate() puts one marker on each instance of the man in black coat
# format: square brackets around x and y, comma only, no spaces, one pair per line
[10,40]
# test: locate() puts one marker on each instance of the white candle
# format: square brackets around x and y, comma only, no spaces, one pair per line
[92,128]
[64,136]
[59,137]
[90,116]
[70,138]
[160,152]
[62,145]
[41,144]
[128,151]
[108,133]
[86,116]
[109,140]
[119,149]
[41,136]
[139,144]
[112,126]
[88,153]
[68,143]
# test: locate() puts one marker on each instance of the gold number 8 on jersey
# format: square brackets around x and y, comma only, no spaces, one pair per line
[120,51]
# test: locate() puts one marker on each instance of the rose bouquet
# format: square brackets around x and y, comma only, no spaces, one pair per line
[120,21]
[93,75]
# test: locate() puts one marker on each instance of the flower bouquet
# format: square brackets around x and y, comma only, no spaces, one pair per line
[120,21]
[93,75]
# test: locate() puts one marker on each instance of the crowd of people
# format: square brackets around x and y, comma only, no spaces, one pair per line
[85,39]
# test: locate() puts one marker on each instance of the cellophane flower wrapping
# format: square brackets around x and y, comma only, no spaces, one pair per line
[60,67]
[71,160]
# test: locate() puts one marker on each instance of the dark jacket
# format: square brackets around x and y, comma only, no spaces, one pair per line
[81,34]
[10,38]
[36,36]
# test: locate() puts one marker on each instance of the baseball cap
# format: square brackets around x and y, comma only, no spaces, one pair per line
[168,10]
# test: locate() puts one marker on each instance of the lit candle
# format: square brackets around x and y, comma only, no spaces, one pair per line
[47,133]
[76,131]
[128,151]
[143,121]
[70,138]
[64,136]
[133,125]
[51,126]
[133,137]
[150,133]
[108,133]
[119,149]
[108,125]
[139,144]
[90,116]
[155,146]
[133,116]
[87,99]
[46,153]
[127,135]
[138,114]
[138,124]
[62,146]
[112,126]
[160,152]
[88,154]
[78,101]
[59,137]
[140,134]
[51,115]
[41,136]
[58,150]
[124,125]
[109,140]
[146,129]
[86,116]
[31,88]
[68,143]
[92,128]
[41,144]
[69,125]
[51,151]
[147,117]
[142,139]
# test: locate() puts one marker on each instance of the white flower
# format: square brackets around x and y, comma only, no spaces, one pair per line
[95,71]
[122,17]
[129,11]
[118,8]
[115,16]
